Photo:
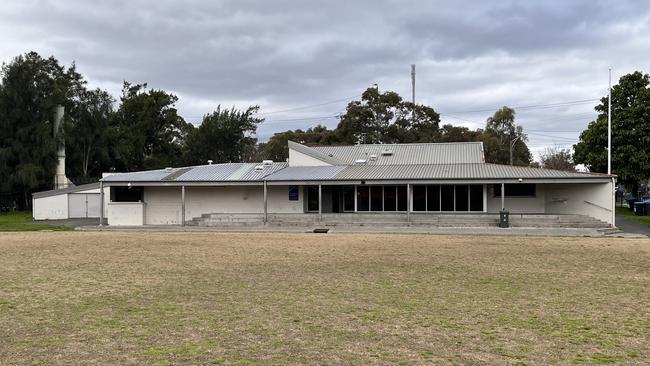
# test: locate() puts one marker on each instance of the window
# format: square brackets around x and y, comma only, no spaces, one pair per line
[363,198]
[433,198]
[390,198]
[447,198]
[476,197]
[312,198]
[462,198]
[419,198]
[294,193]
[376,198]
[348,198]
[402,199]
[127,194]
[515,190]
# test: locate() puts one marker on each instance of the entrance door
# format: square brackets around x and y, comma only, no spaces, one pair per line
[83,205]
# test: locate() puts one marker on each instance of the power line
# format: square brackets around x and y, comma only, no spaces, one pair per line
[535,106]
[310,106]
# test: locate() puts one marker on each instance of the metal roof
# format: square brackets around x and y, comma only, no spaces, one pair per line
[307,173]
[234,172]
[74,189]
[422,171]
[314,153]
[405,154]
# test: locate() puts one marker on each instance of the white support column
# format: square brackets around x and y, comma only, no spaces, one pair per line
[503,196]
[101,203]
[266,205]
[355,198]
[320,202]
[408,202]
[182,205]
[613,202]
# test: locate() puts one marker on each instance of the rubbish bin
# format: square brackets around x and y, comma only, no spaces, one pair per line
[640,208]
[504,218]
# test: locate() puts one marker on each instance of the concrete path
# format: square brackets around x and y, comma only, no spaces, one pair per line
[630,226]
[518,231]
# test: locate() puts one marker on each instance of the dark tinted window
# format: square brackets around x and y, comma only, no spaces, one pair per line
[433,198]
[462,198]
[390,198]
[476,198]
[419,198]
[447,198]
[363,198]
[294,193]
[312,198]
[402,199]
[516,190]
[376,198]
[127,194]
[348,198]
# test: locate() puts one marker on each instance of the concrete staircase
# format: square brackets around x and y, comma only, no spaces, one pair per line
[474,220]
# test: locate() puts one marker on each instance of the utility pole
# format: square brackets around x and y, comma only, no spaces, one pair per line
[512,145]
[413,89]
[609,124]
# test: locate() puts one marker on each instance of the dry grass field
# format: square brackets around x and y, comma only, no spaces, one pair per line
[212,298]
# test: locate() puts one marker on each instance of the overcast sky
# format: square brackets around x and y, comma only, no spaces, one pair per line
[471,56]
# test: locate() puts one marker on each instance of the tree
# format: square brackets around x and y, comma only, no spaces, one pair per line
[147,132]
[500,132]
[87,134]
[277,149]
[630,133]
[224,136]
[386,118]
[30,89]
[450,133]
[557,158]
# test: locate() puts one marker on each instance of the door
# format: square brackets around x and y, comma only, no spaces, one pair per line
[83,205]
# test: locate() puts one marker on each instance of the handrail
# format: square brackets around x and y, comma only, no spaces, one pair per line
[599,206]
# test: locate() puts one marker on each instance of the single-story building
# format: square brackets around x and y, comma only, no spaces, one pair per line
[423,183]
[81,201]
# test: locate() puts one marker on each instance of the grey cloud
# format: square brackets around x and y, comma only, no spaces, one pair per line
[283,54]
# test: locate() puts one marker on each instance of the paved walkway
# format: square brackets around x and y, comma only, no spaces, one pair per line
[630,226]
[518,231]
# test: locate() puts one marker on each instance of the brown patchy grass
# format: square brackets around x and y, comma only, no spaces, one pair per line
[213,298]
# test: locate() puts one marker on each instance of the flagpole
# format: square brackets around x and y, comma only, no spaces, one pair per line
[609,125]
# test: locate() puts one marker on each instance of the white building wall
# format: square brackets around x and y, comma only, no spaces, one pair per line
[591,199]
[518,204]
[50,208]
[162,205]
[125,213]
[297,158]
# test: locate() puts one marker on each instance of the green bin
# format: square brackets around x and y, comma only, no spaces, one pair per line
[504,218]
[640,209]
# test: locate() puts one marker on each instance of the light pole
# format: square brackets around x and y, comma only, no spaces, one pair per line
[512,145]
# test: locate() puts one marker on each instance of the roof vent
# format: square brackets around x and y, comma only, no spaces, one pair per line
[209,162]
[267,162]
[387,153]
[259,167]
[360,161]
[168,169]
[373,157]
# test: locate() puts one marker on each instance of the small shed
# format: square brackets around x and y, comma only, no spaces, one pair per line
[81,201]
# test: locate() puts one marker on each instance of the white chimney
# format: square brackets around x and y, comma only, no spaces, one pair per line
[60,180]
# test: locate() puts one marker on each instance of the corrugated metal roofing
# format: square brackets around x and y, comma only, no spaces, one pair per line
[422,171]
[306,173]
[402,154]
[73,189]
[452,171]
[144,176]
[203,173]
